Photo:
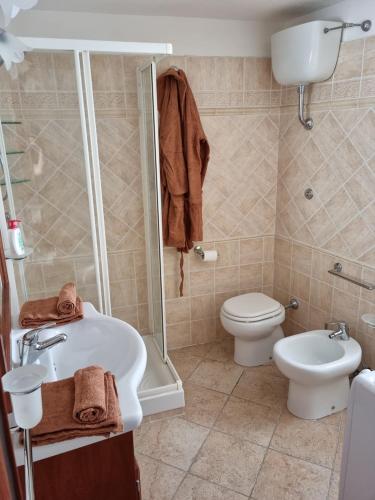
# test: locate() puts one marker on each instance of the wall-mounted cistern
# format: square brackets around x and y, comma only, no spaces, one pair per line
[308,53]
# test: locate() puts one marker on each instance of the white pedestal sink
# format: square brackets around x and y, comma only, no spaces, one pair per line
[95,340]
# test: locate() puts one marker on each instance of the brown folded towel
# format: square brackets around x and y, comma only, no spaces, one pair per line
[58,423]
[67,301]
[35,313]
[91,397]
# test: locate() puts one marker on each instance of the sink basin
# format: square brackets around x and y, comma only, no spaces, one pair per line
[95,340]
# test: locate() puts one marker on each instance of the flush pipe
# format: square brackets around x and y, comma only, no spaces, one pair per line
[306,122]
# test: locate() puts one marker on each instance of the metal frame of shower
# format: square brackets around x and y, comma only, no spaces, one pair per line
[81,50]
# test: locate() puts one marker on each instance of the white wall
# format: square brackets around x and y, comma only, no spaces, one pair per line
[352,11]
[189,36]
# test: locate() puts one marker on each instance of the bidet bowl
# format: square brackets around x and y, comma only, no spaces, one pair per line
[318,369]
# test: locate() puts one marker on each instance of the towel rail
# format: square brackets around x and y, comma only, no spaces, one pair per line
[337,271]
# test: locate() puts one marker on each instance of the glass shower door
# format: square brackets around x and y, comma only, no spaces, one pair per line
[47,186]
[152,202]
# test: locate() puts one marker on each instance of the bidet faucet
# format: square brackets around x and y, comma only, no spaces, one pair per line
[30,348]
[342,330]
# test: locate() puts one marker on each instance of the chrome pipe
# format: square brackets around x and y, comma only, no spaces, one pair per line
[29,473]
[293,304]
[306,122]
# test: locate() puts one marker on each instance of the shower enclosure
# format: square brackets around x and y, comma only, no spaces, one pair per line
[74,127]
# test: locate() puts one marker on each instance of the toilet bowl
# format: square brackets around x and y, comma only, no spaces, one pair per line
[254,320]
[318,369]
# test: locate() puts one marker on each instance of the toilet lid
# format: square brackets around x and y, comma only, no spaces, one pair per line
[251,305]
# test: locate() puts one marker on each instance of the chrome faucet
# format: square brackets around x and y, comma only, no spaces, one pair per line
[30,348]
[342,330]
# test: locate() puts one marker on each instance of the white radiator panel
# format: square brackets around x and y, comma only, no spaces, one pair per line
[357,481]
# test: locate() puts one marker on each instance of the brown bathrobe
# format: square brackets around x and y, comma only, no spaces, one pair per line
[184,155]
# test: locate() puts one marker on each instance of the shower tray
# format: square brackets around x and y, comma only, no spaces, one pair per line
[161,387]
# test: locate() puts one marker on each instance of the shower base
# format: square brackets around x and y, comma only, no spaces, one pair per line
[161,388]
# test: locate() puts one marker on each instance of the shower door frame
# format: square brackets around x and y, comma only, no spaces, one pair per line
[146,202]
[81,50]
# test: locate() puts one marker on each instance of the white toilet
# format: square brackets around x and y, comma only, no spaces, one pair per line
[318,369]
[254,320]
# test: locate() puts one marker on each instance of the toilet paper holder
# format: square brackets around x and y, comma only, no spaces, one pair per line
[198,250]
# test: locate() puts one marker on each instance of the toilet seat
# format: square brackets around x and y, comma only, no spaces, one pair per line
[251,308]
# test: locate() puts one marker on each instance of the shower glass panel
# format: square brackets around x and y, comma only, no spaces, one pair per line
[43,139]
[135,287]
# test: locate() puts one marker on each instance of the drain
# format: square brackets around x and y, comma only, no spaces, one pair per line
[333,407]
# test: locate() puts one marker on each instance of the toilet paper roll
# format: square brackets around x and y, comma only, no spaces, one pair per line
[210,256]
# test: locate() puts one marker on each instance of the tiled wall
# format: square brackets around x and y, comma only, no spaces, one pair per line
[238,104]
[259,154]
[337,160]
[239,107]
[244,265]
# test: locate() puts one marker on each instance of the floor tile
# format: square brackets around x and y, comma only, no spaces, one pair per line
[222,351]
[334,419]
[216,375]
[174,441]
[158,481]
[306,439]
[262,388]
[286,478]
[269,369]
[333,493]
[339,450]
[185,364]
[199,350]
[229,462]
[248,420]
[202,406]
[194,488]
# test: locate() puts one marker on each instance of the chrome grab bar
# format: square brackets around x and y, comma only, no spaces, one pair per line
[337,271]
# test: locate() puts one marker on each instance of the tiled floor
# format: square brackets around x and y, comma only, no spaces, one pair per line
[235,439]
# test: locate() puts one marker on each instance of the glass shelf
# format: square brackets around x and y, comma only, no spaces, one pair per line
[13,256]
[15,152]
[14,181]
[11,122]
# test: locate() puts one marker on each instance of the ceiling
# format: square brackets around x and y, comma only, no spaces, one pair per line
[260,10]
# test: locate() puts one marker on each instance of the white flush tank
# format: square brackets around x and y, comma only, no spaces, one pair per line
[305,54]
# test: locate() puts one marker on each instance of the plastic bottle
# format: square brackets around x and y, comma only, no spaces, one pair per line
[15,237]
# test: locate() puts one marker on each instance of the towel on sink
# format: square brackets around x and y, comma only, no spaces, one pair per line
[67,301]
[35,313]
[90,396]
[58,423]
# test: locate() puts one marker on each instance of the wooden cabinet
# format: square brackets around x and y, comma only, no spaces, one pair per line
[102,471]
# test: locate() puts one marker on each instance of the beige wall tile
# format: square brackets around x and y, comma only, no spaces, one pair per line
[350,60]
[283,251]
[203,331]
[301,258]
[178,310]
[178,335]
[257,73]
[300,285]
[251,276]
[228,253]
[251,251]
[227,279]
[369,57]
[202,307]
[321,295]
[201,282]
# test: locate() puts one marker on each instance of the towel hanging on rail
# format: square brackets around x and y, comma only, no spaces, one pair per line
[184,155]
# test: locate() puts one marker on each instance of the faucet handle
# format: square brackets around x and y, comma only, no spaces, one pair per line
[31,336]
